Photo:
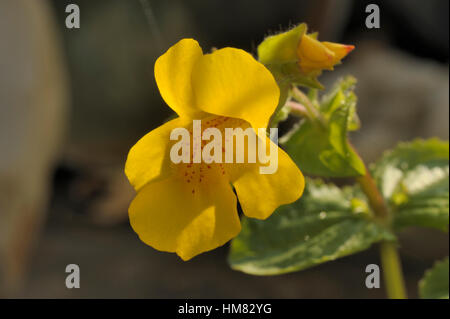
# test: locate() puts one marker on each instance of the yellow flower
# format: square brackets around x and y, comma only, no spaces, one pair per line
[314,55]
[190,208]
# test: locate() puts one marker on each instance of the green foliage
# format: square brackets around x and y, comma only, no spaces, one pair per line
[325,224]
[321,147]
[342,93]
[434,284]
[414,179]
[330,222]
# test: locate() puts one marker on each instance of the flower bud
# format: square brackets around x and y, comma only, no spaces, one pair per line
[314,55]
[298,58]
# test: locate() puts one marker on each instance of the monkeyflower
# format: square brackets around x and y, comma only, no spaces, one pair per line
[189,207]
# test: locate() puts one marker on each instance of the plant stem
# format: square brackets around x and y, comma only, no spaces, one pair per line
[390,260]
[376,200]
[304,100]
[297,109]
[313,113]
[392,270]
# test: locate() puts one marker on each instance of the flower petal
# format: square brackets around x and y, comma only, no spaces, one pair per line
[149,158]
[313,55]
[231,83]
[173,76]
[260,194]
[340,50]
[169,217]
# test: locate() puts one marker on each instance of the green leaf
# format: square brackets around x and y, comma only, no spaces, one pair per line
[434,284]
[341,94]
[414,179]
[324,151]
[326,223]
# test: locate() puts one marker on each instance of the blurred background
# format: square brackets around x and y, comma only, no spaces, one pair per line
[73,101]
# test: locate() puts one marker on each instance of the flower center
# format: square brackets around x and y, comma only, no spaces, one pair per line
[202,169]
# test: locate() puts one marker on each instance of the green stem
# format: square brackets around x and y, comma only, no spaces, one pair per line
[392,270]
[376,200]
[390,259]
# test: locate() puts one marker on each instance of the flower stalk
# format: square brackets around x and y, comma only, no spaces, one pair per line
[312,112]
[305,101]
[297,109]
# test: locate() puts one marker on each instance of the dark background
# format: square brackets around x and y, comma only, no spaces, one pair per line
[111,100]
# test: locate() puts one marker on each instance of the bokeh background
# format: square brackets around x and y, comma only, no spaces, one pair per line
[72,102]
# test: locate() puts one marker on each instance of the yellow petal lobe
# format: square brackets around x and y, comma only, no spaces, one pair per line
[168,216]
[149,158]
[173,76]
[230,82]
[260,194]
